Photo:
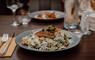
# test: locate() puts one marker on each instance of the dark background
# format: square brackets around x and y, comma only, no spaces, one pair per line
[33,5]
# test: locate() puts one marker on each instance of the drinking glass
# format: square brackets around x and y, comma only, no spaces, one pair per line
[73,28]
[84,24]
[24,20]
[13,5]
[70,26]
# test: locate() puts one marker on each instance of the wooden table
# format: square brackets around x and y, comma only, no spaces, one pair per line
[84,51]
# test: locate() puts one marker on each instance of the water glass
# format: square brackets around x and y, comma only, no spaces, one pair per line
[70,26]
[24,20]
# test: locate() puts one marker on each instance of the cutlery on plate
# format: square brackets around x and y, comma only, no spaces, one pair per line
[5,46]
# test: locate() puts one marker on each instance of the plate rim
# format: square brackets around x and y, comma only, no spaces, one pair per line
[32,49]
[31,15]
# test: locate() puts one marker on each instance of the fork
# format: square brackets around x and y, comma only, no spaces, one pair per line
[4,40]
[4,37]
[5,47]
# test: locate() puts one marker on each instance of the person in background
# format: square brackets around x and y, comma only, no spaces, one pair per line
[93,4]
[3,8]
[71,11]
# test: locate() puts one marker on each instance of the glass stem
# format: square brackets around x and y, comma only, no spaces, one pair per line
[14,16]
[15,23]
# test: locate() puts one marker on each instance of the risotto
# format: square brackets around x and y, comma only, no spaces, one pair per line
[48,39]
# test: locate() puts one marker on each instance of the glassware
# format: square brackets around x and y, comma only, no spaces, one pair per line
[70,26]
[24,19]
[84,24]
[13,6]
[73,28]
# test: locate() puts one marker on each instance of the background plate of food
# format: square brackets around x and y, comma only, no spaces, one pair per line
[49,39]
[47,15]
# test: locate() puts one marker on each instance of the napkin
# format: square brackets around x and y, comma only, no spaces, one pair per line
[10,49]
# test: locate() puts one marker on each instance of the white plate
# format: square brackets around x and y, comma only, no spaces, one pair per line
[59,14]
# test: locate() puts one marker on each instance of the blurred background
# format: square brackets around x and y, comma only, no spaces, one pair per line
[24,6]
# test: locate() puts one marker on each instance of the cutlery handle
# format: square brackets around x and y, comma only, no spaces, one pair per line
[4,47]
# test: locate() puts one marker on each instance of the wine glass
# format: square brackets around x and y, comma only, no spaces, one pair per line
[13,5]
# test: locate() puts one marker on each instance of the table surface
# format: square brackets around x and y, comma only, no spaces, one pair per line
[84,51]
